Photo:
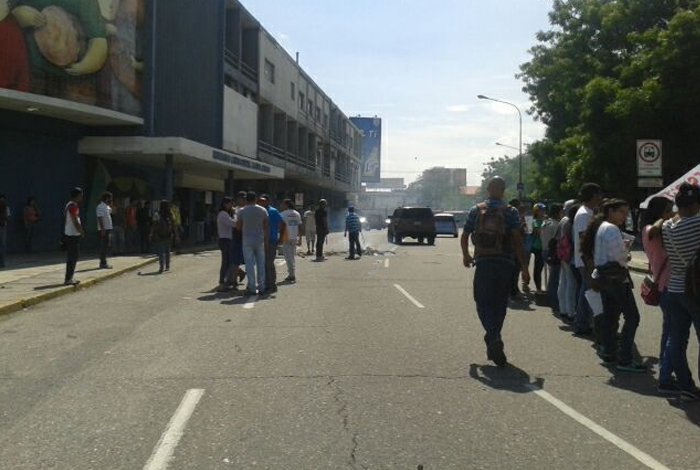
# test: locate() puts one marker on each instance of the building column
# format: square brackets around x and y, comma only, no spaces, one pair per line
[229,183]
[169,177]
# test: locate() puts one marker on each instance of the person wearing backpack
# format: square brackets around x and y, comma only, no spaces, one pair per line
[681,236]
[495,231]
[163,234]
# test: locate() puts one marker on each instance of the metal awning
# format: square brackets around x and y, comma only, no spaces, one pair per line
[66,110]
[188,155]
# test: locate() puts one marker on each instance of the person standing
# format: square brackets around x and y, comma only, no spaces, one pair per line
[253,224]
[497,241]
[144,221]
[163,234]
[235,271]
[567,291]
[31,216]
[291,238]
[353,227]
[4,219]
[131,223]
[321,220]
[549,254]
[176,217]
[681,236]
[72,233]
[536,246]
[590,195]
[224,229]
[310,229]
[104,227]
[276,226]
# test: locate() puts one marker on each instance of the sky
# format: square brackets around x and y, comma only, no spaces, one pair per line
[419,65]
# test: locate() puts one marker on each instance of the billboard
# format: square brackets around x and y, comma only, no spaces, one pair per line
[371,130]
[86,51]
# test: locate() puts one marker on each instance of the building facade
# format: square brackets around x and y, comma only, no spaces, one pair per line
[155,99]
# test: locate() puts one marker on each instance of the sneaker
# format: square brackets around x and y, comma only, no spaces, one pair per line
[71,282]
[632,367]
[607,359]
[105,266]
[668,388]
[494,352]
[290,279]
[249,293]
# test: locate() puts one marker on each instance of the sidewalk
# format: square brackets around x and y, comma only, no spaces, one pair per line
[31,279]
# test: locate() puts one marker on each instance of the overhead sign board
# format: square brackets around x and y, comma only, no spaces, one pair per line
[649,158]
[371,130]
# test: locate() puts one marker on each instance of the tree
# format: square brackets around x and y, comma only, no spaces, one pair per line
[509,169]
[608,73]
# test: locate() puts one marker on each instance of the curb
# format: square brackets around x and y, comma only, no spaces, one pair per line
[37,299]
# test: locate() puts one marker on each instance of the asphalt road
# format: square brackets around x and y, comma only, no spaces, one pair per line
[377,363]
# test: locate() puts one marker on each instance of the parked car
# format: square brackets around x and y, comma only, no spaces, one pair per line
[445,224]
[412,222]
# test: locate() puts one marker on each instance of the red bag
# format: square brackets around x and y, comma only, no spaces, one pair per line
[649,288]
[565,248]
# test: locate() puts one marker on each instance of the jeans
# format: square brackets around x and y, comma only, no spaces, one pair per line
[538,268]
[3,245]
[492,284]
[270,269]
[320,240]
[290,250]
[553,286]
[225,247]
[665,364]
[354,238]
[584,316]
[163,252]
[254,256]
[618,299]
[681,315]
[72,255]
[105,243]
[567,290]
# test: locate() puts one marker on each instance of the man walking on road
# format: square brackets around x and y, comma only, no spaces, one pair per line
[253,224]
[321,219]
[353,227]
[104,227]
[310,229]
[291,238]
[72,233]
[496,236]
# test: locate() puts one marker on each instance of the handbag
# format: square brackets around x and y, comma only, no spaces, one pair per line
[649,289]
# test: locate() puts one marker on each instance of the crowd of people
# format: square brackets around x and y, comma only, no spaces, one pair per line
[586,249]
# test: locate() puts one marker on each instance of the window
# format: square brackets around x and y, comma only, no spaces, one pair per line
[318,113]
[269,71]
[293,90]
[301,101]
[310,107]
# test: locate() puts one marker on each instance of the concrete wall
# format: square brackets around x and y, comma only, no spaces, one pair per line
[286,72]
[240,133]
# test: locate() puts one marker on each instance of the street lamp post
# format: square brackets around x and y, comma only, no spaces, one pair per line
[520,141]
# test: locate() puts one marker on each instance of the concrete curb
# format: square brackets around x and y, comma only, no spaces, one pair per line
[37,299]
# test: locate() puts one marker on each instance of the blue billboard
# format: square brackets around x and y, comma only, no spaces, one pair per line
[371,130]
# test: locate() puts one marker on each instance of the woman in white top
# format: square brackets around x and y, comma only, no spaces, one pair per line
[607,249]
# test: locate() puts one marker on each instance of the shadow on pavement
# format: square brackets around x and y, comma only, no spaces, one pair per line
[510,378]
[152,273]
[50,286]
[691,409]
[87,270]
[215,295]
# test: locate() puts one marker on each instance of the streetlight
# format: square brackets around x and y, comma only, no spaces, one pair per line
[520,141]
[506,146]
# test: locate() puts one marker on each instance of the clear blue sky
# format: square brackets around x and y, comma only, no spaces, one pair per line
[419,66]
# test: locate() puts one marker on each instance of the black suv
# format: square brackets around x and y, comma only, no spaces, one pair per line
[414,222]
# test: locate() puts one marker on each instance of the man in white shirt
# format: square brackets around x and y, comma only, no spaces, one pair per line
[291,237]
[590,195]
[310,229]
[104,227]
[72,233]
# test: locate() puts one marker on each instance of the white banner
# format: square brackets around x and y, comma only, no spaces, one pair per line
[669,192]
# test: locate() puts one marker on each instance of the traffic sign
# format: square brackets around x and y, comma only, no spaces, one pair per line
[649,157]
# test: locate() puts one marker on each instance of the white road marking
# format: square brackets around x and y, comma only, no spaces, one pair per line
[386,263]
[163,451]
[644,458]
[409,296]
[248,305]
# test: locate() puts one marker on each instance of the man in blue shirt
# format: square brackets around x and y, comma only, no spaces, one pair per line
[353,227]
[497,241]
[276,222]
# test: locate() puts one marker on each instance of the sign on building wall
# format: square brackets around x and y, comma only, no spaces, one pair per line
[87,51]
[371,130]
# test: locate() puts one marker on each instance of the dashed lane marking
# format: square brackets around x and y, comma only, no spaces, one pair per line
[620,443]
[386,263]
[163,452]
[409,296]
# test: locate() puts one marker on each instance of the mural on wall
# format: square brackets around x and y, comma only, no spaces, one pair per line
[88,51]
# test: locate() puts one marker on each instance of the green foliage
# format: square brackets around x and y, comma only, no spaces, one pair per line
[608,73]
[434,189]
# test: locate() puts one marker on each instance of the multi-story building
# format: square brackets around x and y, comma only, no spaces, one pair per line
[155,99]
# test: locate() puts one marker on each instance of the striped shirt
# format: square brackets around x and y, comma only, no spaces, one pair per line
[352,223]
[681,239]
